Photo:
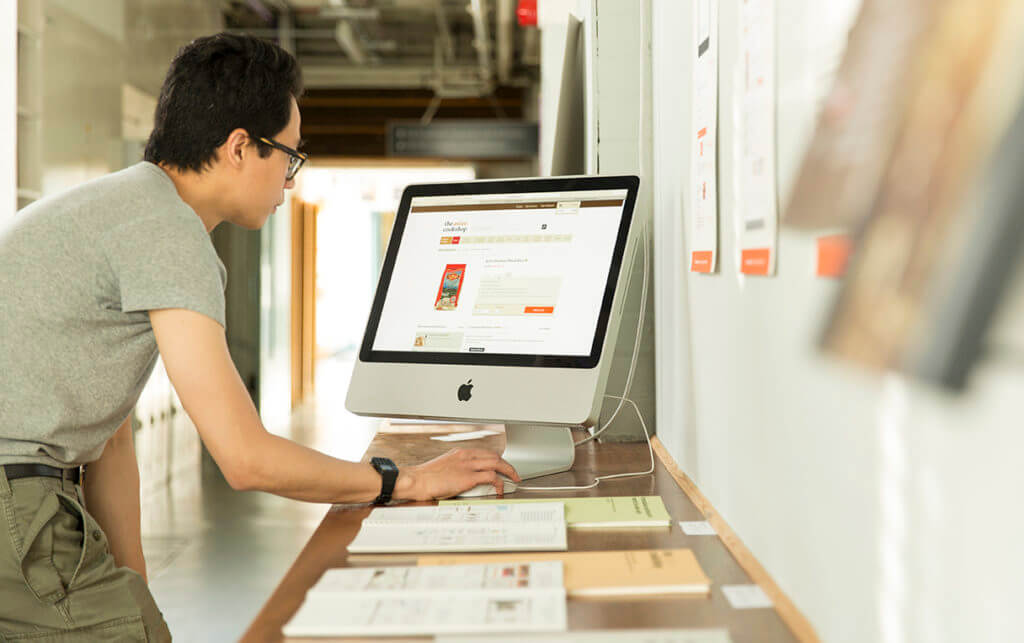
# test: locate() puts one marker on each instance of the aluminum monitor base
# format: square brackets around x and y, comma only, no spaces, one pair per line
[537,450]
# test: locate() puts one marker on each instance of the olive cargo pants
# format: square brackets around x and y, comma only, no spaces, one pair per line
[58,580]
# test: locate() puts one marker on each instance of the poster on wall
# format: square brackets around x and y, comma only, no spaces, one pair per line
[857,128]
[754,115]
[704,129]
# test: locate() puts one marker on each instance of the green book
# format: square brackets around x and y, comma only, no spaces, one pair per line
[582,513]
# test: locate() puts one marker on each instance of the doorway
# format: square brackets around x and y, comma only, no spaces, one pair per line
[350,209]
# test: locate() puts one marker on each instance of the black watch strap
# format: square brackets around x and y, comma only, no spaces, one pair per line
[388,474]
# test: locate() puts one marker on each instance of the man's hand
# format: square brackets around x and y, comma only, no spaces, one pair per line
[453,473]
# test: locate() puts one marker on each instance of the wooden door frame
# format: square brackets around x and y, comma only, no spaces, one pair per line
[303,304]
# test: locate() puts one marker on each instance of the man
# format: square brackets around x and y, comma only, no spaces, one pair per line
[95,281]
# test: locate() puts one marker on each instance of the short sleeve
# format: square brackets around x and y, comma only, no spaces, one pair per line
[167,261]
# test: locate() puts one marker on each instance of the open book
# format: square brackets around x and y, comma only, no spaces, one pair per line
[411,601]
[462,528]
[669,572]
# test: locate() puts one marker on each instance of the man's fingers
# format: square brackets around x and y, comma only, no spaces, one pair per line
[491,462]
[499,485]
[491,478]
[508,470]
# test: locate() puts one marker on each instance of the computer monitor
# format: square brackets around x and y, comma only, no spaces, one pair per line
[499,302]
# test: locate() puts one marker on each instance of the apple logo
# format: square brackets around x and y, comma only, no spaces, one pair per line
[466,391]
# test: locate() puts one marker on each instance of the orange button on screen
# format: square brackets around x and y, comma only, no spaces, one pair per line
[539,309]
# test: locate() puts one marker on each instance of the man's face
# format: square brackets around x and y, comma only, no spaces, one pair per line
[264,178]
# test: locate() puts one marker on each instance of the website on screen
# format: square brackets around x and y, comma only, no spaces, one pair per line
[517,274]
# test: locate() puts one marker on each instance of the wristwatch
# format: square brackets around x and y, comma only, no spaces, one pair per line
[388,474]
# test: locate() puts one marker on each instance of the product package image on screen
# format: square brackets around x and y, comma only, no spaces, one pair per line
[451,284]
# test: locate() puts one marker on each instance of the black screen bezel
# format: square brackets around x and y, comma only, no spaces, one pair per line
[516,186]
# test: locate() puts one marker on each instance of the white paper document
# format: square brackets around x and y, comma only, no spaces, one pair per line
[463,528]
[703,229]
[697,528]
[458,437]
[754,112]
[746,596]
[610,636]
[411,601]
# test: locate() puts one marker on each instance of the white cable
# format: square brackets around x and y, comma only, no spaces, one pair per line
[598,479]
[636,341]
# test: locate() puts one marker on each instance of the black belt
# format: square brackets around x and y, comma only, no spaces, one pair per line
[14,471]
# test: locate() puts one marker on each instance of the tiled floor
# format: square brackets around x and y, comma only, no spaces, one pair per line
[214,555]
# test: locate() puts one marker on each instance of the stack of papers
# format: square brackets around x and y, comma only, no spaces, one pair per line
[599,513]
[642,572]
[462,528]
[413,601]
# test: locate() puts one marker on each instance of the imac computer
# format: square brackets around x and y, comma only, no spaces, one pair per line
[499,302]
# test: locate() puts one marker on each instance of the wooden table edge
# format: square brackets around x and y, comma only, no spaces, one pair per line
[787,610]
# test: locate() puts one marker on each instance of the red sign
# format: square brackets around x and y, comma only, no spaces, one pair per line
[526,12]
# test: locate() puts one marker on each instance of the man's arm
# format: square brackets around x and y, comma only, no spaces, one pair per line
[195,353]
[112,497]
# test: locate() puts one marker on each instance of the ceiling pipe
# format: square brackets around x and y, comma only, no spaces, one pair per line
[504,39]
[324,74]
[349,43]
[445,32]
[286,32]
[261,10]
[343,12]
[482,42]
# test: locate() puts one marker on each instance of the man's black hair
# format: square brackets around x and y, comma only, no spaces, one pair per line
[215,85]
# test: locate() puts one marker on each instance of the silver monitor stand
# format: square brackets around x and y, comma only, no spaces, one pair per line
[536,450]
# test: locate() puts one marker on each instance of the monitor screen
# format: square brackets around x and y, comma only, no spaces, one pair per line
[501,273]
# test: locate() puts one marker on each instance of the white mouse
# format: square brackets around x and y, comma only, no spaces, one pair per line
[488,489]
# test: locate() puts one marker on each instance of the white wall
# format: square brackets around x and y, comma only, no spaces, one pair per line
[89,54]
[103,16]
[8,109]
[82,67]
[886,510]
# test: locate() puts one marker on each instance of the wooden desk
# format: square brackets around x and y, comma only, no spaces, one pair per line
[326,548]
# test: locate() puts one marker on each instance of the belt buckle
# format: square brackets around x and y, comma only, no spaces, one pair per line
[67,475]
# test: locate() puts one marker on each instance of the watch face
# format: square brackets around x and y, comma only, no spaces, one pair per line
[383,464]
[388,474]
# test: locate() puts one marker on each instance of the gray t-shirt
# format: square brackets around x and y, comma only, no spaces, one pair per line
[78,273]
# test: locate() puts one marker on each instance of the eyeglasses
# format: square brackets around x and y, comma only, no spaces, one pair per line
[295,157]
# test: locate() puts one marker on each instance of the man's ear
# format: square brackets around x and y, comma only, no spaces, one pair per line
[236,147]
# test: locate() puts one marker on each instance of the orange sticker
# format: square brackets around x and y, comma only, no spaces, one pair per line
[700,261]
[755,261]
[833,255]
